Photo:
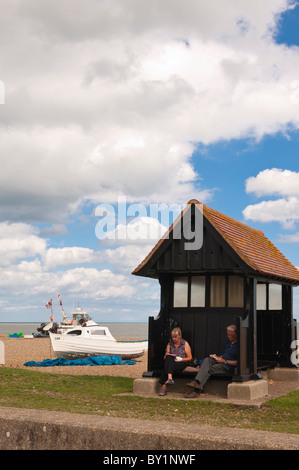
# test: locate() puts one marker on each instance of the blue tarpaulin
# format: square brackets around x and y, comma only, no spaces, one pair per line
[87,361]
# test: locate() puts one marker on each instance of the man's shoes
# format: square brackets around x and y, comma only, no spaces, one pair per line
[194,394]
[193,384]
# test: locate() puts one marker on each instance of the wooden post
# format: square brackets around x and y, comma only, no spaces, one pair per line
[252,346]
[2,353]
[247,336]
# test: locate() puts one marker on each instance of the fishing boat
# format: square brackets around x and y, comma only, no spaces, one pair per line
[79,317]
[93,340]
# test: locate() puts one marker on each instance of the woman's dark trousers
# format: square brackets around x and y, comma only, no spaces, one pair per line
[171,367]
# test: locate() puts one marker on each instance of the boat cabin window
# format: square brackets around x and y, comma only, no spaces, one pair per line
[98,332]
[75,332]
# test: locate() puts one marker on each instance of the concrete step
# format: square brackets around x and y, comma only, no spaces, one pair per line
[250,390]
[151,386]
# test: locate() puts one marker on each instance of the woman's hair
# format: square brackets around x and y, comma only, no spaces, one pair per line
[176,331]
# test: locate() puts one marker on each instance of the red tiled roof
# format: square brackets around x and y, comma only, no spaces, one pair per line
[251,245]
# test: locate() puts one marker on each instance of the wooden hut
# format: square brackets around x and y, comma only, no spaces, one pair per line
[237,276]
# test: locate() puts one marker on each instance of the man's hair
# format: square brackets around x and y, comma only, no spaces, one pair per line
[232,327]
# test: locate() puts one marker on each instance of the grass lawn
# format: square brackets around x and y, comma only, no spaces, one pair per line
[98,395]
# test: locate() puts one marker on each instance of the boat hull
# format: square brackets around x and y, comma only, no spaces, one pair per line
[75,347]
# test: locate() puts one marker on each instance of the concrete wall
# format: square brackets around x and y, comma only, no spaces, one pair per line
[22,429]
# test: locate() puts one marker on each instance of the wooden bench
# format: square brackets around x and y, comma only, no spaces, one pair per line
[216,385]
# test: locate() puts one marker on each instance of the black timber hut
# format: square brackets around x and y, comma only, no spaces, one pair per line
[236,276]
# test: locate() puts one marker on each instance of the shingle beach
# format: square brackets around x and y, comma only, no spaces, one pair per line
[21,350]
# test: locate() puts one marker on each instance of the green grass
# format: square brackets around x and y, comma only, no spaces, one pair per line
[102,395]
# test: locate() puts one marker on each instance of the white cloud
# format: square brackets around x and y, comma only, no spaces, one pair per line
[67,256]
[105,99]
[125,258]
[55,229]
[29,278]
[115,103]
[274,182]
[90,281]
[290,238]
[285,211]
[32,271]
[29,267]
[17,241]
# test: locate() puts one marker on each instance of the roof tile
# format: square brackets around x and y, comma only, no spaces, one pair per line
[251,245]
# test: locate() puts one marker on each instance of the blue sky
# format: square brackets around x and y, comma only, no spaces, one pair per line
[155,103]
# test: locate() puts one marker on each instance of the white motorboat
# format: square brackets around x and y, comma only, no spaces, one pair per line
[79,317]
[93,340]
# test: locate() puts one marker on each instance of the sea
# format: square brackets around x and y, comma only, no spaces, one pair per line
[118,330]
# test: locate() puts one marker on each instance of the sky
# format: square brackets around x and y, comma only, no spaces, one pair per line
[106,104]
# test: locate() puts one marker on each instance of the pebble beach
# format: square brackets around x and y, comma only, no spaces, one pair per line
[18,351]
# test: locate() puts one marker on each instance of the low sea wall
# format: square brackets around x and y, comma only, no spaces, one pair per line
[22,429]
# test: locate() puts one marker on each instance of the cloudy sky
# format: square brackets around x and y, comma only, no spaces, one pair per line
[144,102]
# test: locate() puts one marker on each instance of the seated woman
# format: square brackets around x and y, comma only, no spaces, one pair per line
[176,358]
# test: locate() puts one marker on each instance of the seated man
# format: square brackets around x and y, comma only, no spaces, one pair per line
[217,365]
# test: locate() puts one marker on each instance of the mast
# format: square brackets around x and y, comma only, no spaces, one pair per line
[63,312]
[50,305]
